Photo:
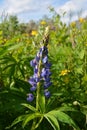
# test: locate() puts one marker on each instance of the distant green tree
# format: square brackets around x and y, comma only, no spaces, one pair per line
[32,25]
[9,26]
[13,25]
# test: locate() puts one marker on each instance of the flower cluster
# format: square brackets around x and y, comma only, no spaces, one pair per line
[64,72]
[34,33]
[41,67]
[43,22]
[81,20]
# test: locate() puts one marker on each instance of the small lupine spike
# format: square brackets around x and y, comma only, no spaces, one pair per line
[41,67]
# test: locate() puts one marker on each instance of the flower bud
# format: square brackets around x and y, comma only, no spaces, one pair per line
[47,94]
[30,97]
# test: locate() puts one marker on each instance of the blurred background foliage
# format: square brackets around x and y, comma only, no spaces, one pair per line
[19,43]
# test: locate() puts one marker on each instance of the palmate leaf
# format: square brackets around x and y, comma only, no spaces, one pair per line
[9,66]
[12,70]
[52,120]
[29,106]
[8,59]
[30,117]
[17,120]
[25,119]
[20,67]
[61,116]
[3,50]
[15,46]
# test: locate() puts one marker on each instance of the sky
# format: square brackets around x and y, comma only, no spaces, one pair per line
[35,9]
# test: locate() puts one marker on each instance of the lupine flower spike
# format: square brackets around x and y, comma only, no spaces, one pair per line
[41,67]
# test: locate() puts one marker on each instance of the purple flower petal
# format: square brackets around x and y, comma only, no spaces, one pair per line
[45,59]
[33,88]
[47,94]
[33,63]
[32,81]
[30,97]
[37,57]
[43,73]
[48,65]
[46,85]
[47,79]
[36,69]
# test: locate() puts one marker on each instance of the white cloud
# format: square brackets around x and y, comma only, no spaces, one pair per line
[75,8]
[26,9]
[30,9]
[21,6]
[84,14]
[17,6]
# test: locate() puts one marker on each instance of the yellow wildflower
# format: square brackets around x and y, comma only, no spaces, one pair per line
[73,24]
[64,72]
[34,33]
[43,22]
[81,20]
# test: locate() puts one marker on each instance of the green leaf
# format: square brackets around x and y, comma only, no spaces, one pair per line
[29,106]
[17,120]
[57,94]
[84,79]
[81,54]
[15,46]
[84,109]
[79,70]
[66,108]
[29,117]
[21,70]
[53,121]
[61,116]
[8,66]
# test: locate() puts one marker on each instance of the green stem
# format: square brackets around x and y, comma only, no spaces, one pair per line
[39,123]
[33,125]
[85,61]
[38,86]
[37,97]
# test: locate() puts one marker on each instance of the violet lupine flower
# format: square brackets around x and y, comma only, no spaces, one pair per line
[30,97]
[47,93]
[45,73]
[47,84]
[33,88]
[33,63]
[45,59]
[41,73]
